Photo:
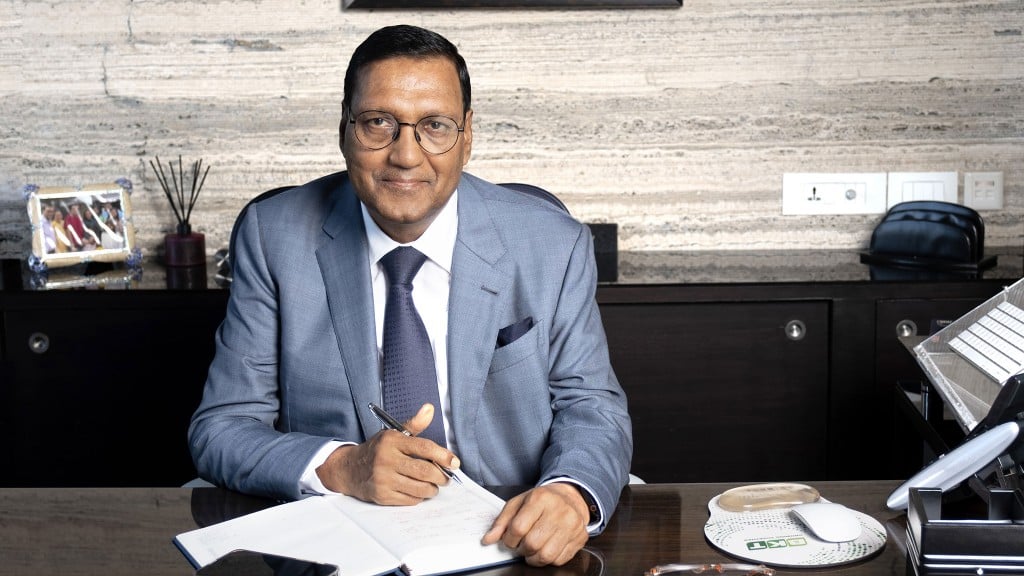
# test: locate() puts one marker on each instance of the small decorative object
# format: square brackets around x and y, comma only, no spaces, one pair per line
[183,247]
[80,224]
[124,278]
[186,278]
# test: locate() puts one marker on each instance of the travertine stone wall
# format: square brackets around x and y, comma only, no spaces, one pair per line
[675,123]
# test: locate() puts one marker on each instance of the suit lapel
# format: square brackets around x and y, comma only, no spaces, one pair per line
[346,277]
[479,290]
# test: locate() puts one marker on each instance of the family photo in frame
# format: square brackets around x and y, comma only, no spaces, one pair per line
[72,225]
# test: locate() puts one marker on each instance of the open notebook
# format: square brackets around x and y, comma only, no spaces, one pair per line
[437,536]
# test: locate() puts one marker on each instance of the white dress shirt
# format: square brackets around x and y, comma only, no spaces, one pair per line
[430,295]
[430,289]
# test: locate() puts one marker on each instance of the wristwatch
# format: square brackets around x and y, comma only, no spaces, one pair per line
[595,511]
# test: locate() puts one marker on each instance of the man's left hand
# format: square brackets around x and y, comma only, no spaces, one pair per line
[546,525]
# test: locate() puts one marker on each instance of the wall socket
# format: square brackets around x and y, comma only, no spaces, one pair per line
[983,190]
[833,193]
[805,193]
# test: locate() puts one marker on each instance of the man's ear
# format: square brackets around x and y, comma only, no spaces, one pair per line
[341,132]
[467,135]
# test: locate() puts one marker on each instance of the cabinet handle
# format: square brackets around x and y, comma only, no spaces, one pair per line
[906,328]
[38,342]
[795,330]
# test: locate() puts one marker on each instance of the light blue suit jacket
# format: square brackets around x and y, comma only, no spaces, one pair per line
[296,361]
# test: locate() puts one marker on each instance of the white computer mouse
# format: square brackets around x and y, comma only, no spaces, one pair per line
[828,521]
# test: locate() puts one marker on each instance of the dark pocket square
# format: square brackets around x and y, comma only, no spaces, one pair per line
[512,332]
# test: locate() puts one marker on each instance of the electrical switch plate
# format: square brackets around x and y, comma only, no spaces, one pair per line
[983,190]
[911,186]
[833,193]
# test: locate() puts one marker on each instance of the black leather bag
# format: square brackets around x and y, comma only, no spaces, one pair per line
[929,236]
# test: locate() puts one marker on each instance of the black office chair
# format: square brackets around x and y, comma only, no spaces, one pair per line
[238,219]
[535,191]
[223,257]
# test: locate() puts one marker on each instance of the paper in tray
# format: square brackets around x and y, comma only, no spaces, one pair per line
[967,391]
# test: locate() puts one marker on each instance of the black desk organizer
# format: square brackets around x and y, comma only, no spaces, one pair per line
[955,546]
[985,536]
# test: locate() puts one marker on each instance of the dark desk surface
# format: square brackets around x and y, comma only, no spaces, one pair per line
[719,267]
[113,531]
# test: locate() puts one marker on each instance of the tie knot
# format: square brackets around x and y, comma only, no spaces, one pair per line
[402,264]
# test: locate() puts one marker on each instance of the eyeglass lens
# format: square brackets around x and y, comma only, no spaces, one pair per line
[376,130]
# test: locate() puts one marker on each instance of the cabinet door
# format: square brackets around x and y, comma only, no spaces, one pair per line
[895,365]
[103,397]
[720,391]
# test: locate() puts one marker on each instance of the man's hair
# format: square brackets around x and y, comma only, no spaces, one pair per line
[403,41]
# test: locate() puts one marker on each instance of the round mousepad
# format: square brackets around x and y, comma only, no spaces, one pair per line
[776,538]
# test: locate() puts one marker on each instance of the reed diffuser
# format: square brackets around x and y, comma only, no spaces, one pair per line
[182,247]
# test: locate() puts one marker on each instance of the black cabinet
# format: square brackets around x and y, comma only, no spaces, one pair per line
[897,370]
[98,388]
[724,391]
[731,378]
[718,390]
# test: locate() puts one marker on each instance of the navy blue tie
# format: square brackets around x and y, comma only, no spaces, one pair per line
[410,378]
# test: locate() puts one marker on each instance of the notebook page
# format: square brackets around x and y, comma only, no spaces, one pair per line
[308,529]
[438,535]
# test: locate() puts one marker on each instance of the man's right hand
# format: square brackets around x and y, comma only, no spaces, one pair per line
[390,468]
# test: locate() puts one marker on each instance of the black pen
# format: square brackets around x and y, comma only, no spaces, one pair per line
[389,422]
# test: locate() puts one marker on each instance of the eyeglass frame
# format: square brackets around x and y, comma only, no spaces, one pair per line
[749,569]
[398,131]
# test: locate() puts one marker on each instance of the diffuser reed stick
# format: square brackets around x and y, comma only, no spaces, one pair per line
[181,204]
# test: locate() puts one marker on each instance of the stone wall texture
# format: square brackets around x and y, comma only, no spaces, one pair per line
[677,124]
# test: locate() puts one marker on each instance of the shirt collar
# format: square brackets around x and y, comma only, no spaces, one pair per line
[437,242]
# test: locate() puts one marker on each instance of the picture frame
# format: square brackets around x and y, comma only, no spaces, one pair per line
[79,224]
[118,279]
[376,4]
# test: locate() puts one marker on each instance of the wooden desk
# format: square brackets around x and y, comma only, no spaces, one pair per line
[114,531]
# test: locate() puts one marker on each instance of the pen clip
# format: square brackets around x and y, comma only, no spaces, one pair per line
[386,419]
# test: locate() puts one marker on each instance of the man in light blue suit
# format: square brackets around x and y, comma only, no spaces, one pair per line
[527,393]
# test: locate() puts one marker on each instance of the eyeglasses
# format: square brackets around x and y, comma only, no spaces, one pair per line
[749,569]
[377,130]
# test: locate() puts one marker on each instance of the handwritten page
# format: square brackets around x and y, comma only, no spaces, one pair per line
[426,536]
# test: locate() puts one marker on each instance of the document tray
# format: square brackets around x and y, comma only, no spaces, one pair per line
[960,374]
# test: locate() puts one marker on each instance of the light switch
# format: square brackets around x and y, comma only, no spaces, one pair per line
[912,186]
